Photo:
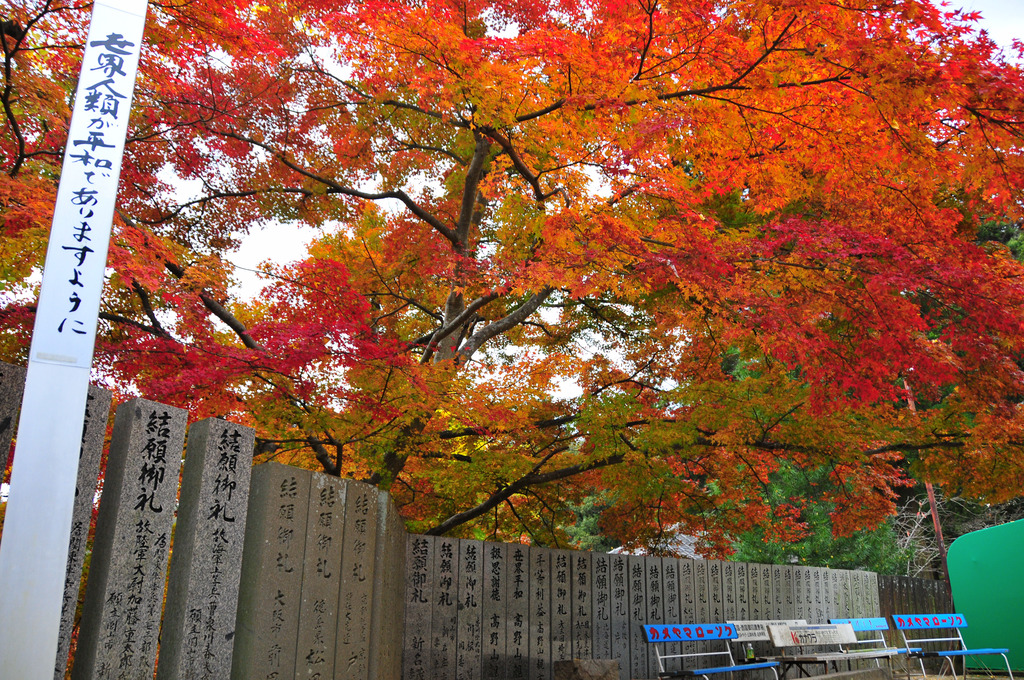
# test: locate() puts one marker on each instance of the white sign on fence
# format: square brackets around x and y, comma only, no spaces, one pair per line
[757,630]
[37,526]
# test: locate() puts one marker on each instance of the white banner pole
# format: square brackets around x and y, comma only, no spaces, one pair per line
[37,526]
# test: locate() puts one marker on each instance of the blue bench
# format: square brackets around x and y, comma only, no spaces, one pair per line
[699,632]
[955,643]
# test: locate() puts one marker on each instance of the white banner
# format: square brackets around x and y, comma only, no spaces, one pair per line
[37,526]
[69,301]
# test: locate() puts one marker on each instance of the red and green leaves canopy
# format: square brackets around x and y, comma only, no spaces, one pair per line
[655,248]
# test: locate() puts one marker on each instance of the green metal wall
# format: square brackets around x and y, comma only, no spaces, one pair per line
[985,570]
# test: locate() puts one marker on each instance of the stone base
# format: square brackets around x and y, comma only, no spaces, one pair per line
[587,669]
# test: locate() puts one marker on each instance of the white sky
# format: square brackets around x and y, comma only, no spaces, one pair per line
[1003,19]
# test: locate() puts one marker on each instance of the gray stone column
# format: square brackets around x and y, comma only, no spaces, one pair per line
[496,618]
[124,596]
[270,590]
[387,627]
[12,387]
[202,593]
[94,432]
[321,578]
[419,591]
[352,655]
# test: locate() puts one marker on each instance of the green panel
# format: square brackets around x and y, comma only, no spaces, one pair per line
[985,570]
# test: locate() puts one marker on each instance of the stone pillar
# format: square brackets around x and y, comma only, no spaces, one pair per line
[443,618]
[94,432]
[202,593]
[602,608]
[270,591]
[539,617]
[582,593]
[419,591]
[636,585]
[12,387]
[517,643]
[124,596]
[469,597]
[387,627]
[620,613]
[496,619]
[321,578]
[561,606]
[352,653]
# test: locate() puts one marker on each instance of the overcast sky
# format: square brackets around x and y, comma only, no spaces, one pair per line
[1003,19]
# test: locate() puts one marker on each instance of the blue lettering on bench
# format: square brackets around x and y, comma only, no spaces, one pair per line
[921,621]
[687,632]
[861,625]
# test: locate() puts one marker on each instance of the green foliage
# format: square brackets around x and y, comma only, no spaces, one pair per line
[876,549]
[585,532]
[1009,234]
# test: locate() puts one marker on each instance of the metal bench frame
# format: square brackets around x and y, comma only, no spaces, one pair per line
[881,648]
[699,632]
[956,622]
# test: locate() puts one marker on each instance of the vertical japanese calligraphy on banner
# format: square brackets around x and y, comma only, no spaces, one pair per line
[44,474]
[76,256]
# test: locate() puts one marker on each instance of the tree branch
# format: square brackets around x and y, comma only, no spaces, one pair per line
[498,327]
[532,478]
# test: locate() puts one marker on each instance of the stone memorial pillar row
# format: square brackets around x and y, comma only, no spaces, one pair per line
[202,593]
[124,595]
[94,432]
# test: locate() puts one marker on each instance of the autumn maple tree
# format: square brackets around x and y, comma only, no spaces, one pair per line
[652,248]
